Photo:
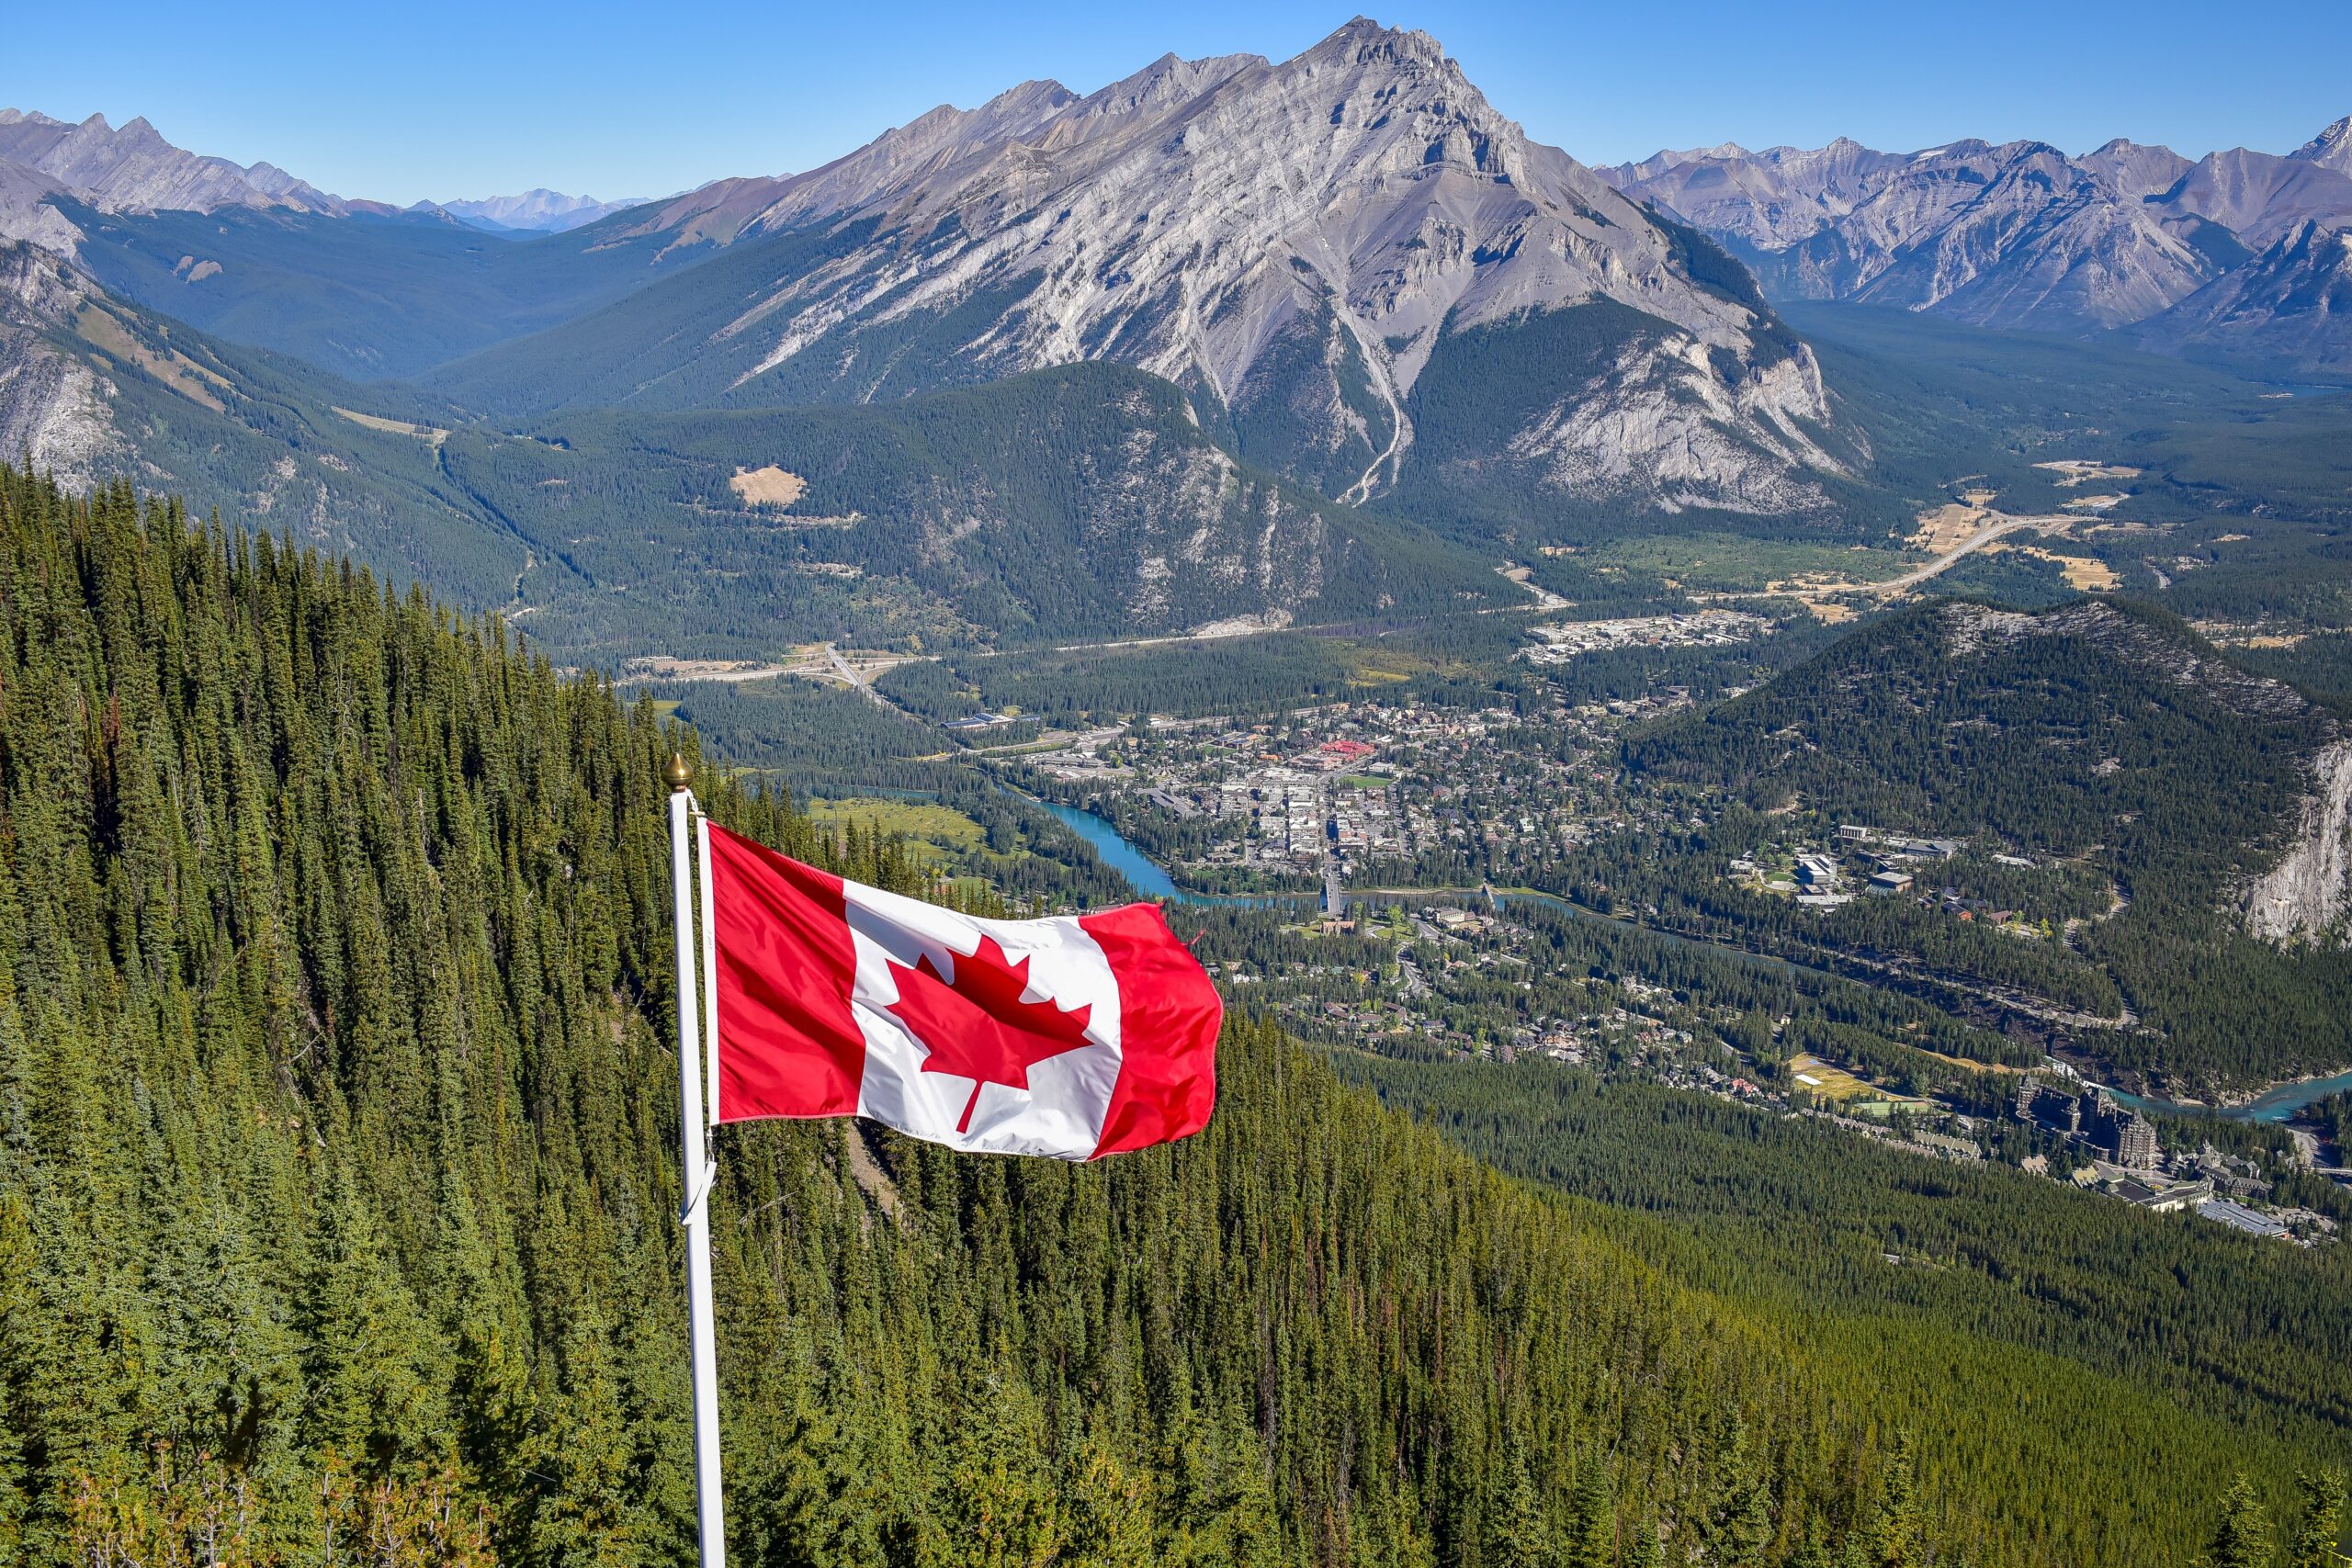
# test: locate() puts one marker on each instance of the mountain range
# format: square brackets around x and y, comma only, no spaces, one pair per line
[1355,285]
[2229,255]
[1345,277]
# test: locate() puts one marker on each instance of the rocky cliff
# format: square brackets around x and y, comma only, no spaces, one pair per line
[52,402]
[2305,896]
[2331,149]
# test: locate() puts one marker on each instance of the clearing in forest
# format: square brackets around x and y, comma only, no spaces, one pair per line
[931,828]
[770,485]
[2084,574]
[1825,1080]
[1948,527]
[393,427]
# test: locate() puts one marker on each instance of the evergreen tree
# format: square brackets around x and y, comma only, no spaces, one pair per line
[1523,1536]
[1740,1518]
[2320,1525]
[1592,1528]
[588,1518]
[1894,1537]
[2243,1538]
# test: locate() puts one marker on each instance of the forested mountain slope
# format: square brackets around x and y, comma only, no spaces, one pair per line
[331,941]
[337,1177]
[1085,500]
[2094,733]
[93,389]
[2012,1314]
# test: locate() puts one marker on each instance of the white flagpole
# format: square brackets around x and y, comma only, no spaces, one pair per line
[699,1170]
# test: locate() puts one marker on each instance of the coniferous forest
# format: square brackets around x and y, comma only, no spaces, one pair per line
[338,1184]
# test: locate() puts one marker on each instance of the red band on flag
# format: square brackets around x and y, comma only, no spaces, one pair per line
[1171,1015]
[788,1043]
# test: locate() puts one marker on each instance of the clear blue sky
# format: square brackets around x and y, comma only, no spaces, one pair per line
[433,99]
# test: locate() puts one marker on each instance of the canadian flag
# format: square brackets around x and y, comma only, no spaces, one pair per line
[1077,1036]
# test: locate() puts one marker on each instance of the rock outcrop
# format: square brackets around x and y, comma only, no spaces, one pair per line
[52,404]
[2305,898]
[2331,149]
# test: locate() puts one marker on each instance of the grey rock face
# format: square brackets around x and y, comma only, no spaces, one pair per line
[2134,170]
[1291,238]
[51,404]
[2306,895]
[27,214]
[1768,201]
[2331,149]
[2259,196]
[2002,236]
[134,169]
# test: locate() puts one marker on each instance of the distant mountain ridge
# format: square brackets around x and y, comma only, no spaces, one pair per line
[2292,304]
[133,169]
[2023,235]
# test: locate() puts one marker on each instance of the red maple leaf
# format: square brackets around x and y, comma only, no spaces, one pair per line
[977,1027]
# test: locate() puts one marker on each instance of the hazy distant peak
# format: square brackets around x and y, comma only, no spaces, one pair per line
[538,210]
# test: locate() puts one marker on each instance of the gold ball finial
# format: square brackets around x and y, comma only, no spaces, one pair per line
[676,774]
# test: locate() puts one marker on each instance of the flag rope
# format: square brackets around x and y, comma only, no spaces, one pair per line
[709,969]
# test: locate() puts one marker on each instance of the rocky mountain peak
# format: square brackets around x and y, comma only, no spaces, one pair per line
[2289,308]
[1360,40]
[2135,169]
[1167,80]
[2331,149]
[1290,242]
